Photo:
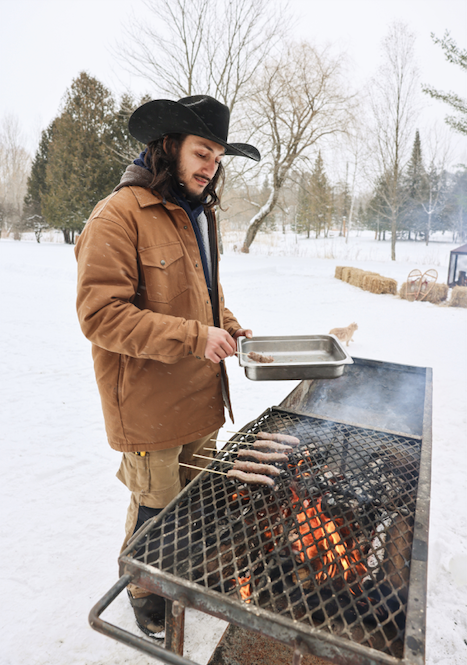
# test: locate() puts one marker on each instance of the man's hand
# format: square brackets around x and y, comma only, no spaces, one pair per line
[243,332]
[219,345]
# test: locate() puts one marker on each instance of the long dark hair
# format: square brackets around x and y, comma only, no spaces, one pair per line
[163,163]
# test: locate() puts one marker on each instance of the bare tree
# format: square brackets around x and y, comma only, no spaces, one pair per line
[210,47]
[438,158]
[14,169]
[394,104]
[298,100]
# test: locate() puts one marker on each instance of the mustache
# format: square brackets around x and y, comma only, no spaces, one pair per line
[202,177]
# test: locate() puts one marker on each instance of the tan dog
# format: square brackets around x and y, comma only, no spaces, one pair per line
[344,334]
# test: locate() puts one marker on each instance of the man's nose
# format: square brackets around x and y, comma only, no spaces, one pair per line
[211,168]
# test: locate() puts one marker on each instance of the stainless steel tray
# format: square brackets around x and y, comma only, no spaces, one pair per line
[297,357]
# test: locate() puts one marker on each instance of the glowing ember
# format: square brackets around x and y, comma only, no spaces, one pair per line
[245,588]
[321,542]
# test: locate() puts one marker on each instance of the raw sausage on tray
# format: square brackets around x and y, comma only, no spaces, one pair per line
[254,467]
[280,438]
[262,457]
[260,357]
[250,478]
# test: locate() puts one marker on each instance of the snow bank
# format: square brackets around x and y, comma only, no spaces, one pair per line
[63,509]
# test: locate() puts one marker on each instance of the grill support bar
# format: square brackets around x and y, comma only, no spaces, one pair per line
[175,626]
[146,646]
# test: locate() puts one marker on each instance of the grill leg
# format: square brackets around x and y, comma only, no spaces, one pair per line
[174,626]
[297,657]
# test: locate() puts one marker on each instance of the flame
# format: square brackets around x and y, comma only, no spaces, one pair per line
[321,542]
[245,588]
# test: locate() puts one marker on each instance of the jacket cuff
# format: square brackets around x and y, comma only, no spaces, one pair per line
[196,343]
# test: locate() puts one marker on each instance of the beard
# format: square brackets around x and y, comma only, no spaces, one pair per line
[193,196]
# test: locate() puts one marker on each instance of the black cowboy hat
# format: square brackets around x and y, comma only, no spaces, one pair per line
[200,115]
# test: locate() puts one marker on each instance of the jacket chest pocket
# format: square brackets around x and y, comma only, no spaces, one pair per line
[164,271]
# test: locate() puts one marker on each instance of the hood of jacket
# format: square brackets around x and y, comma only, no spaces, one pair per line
[134,176]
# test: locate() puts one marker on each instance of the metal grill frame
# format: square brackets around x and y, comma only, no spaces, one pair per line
[302,637]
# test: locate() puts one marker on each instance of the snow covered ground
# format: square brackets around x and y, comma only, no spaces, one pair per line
[63,510]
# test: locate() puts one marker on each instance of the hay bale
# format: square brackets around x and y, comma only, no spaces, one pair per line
[438,293]
[367,280]
[378,284]
[356,277]
[403,291]
[338,273]
[458,297]
[389,286]
[346,274]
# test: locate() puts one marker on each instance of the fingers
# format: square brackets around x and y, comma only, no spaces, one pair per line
[243,332]
[219,345]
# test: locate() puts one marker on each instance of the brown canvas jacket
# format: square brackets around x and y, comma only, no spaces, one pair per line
[144,304]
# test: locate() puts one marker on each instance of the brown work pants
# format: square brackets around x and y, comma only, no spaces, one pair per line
[156,478]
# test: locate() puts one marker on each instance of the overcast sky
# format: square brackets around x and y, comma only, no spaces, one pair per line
[44,44]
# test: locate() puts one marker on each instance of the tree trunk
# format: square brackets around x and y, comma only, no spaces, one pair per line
[219,239]
[258,220]
[393,237]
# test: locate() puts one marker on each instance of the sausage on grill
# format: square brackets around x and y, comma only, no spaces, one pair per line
[272,446]
[263,457]
[280,438]
[250,478]
[254,467]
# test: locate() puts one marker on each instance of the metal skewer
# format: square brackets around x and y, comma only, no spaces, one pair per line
[211,458]
[244,433]
[200,468]
[229,452]
[243,443]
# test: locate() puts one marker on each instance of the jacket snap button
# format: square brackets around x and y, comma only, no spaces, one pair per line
[162,262]
[218,374]
[185,227]
[196,265]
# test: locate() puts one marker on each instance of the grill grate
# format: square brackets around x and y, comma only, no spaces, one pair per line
[329,546]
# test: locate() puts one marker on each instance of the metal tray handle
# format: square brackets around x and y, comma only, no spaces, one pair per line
[144,645]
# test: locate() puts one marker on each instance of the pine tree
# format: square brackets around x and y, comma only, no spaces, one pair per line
[33,217]
[456,56]
[303,216]
[320,197]
[378,212]
[416,186]
[81,165]
[124,146]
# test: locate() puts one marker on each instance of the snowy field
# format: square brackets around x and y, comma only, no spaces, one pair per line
[63,510]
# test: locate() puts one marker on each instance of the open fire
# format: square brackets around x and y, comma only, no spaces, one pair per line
[321,542]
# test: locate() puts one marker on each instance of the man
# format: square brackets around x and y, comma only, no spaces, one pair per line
[150,301]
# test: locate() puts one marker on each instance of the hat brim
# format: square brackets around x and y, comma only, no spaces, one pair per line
[155,119]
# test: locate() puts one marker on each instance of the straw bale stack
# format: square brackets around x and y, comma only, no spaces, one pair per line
[364,279]
[438,293]
[458,297]
[403,291]
[346,272]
